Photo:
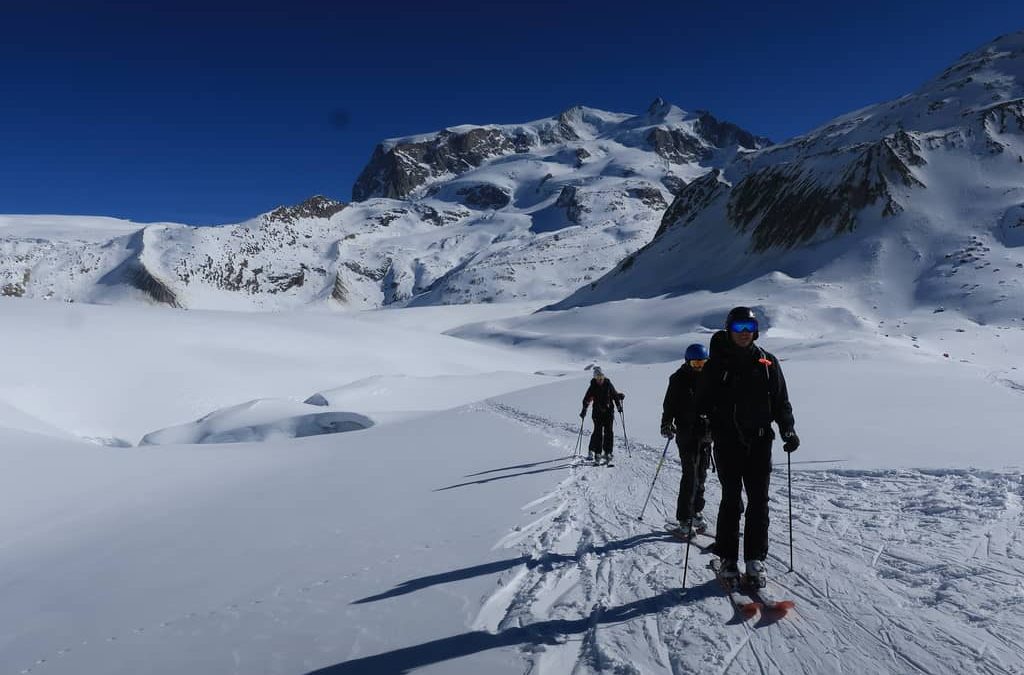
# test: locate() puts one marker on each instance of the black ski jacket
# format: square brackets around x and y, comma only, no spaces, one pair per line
[603,396]
[680,404]
[742,391]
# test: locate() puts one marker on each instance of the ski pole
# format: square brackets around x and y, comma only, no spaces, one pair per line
[789,477]
[656,472]
[689,529]
[579,441]
[625,438]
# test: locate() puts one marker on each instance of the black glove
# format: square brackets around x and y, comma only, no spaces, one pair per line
[790,440]
[668,430]
[583,413]
[621,396]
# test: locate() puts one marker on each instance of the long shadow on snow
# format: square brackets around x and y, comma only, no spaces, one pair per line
[518,466]
[549,632]
[511,475]
[547,562]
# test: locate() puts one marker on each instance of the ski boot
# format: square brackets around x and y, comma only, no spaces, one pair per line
[757,574]
[700,523]
[729,574]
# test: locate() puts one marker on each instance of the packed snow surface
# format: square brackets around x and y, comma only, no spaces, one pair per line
[457,533]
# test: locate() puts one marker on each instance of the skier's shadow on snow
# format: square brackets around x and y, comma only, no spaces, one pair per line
[550,632]
[546,562]
[510,475]
[519,466]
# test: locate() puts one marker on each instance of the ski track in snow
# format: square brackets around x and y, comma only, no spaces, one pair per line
[883,561]
[896,571]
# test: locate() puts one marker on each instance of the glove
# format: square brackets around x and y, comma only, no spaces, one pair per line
[583,413]
[621,396]
[668,430]
[790,440]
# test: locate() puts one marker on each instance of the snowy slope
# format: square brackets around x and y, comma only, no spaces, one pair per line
[912,203]
[480,214]
[462,540]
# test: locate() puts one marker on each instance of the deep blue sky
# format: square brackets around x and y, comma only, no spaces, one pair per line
[212,112]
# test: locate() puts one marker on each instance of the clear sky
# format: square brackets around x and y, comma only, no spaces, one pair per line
[212,112]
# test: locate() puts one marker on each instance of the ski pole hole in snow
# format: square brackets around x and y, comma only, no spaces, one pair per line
[260,420]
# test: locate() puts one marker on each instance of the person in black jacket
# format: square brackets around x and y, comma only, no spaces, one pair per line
[606,399]
[742,392]
[679,419]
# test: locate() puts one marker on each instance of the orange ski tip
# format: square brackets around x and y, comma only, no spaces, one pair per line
[785,605]
[750,609]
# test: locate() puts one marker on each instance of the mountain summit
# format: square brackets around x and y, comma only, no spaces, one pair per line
[918,200]
[466,214]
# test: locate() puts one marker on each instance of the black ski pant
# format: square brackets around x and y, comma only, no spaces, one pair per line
[695,473]
[601,439]
[742,467]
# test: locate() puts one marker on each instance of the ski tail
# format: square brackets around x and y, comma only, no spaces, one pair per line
[745,607]
[777,606]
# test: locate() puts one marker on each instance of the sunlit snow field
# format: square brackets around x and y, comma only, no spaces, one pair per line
[453,532]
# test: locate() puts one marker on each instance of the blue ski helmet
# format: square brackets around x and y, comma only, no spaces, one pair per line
[696,352]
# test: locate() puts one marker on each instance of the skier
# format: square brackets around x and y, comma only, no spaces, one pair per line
[606,399]
[742,391]
[679,419]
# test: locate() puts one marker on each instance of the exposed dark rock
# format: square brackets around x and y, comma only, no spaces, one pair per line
[677,146]
[649,195]
[338,291]
[725,134]
[12,290]
[396,172]
[315,207]
[17,289]
[283,282]
[485,196]
[675,184]
[440,218]
[694,198]
[1005,115]
[374,273]
[659,107]
[789,203]
[565,130]
[141,278]
[569,199]
[581,155]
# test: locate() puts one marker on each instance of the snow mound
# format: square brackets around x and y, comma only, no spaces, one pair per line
[259,420]
[12,417]
[405,392]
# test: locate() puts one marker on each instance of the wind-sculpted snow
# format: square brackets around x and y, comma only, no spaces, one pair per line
[260,421]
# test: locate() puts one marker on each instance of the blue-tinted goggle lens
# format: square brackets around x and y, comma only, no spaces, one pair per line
[748,326]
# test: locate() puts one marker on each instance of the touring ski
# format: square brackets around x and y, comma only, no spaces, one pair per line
[676,531]
[766,598]
[745,607]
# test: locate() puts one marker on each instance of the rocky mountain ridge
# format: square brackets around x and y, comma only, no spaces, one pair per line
[466,214]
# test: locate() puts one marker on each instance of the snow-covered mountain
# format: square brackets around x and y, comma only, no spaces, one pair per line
[467,214]
[913,202]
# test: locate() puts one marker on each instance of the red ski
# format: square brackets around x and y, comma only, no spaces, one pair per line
[745,607]
[767,599]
